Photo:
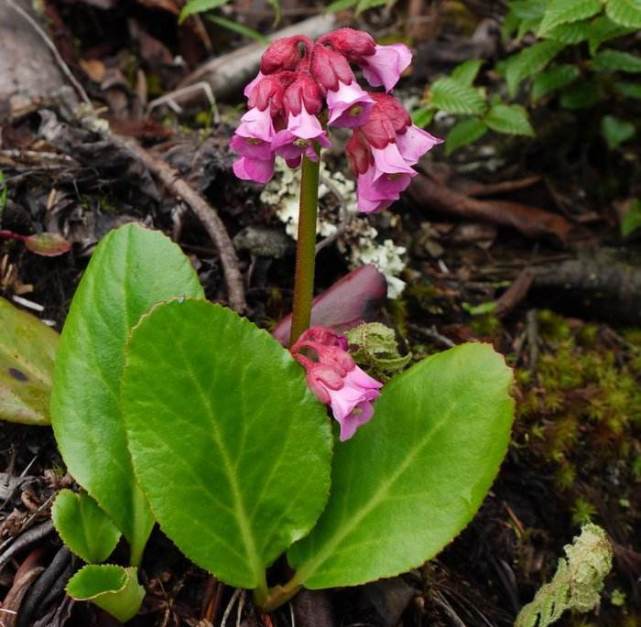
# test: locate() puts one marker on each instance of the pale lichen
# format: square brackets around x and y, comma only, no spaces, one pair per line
[577,583]
[338,218]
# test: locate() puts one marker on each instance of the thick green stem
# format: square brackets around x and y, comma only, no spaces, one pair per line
[277,596]
[305,248]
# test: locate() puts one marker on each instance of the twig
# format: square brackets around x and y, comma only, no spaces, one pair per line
[230,606]
[241,605]
[170,98]
[59,60]
[207,215]
[432,334]
[29,537]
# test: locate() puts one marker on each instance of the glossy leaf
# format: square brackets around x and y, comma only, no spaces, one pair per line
[230,447]
[616,131]
[509,119]
[466,72]
[529,62]
[553,79]
[603,29]
[625,12]
[27,353]
[617,61]
[448,95]
[132,269]
[463,133]
[83,526]
[112,588]
[560,12]
[414,476]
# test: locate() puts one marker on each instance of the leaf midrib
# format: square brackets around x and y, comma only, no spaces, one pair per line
[308,569]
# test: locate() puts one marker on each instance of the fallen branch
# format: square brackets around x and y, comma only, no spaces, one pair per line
[530,221]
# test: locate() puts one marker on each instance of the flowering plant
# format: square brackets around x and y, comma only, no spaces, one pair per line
[172,409]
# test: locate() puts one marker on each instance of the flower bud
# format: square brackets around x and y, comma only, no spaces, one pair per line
[329,67]
[351,43]
[267,92]
[303,91]
[359,155]
[285,54]
[396,113]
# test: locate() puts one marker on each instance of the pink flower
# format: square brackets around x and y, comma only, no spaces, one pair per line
[415,142]
[349,105]
[336,380]
[252,141]
[299,138]
[377,191]
[249,88]
[386,65]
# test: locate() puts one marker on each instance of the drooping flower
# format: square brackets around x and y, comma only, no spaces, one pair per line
[386,65]
[335,379]
[349,105]
[297,140]
[252,141]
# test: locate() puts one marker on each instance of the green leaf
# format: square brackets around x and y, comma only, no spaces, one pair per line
[238,28]
[450,96]
[603,29]
[365,5]
[631,221]
[466,72]
[616,61]
[509,119]
[423,116]
[616,131]
[528,62]
[199,6]
[559,12]
[229,445]
[570,33]
[581,94]
[624,12]
[628,90]
[463,133]
[112,588]
[131,270]
[553,79]
[27,353]
[413,477]
[83,526]
[341,5]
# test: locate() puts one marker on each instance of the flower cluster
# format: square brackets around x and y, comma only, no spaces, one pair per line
[335,379]
[302,82]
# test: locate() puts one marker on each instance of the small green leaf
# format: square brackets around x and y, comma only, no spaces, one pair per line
[112,588]
[199,6]
[559,12]
[423,116]
[341,5]
[238,28]
[466,72]
[131,270]
[528,62]
[628,90]
[451,96]
[47,244]
[509,119]
[553,79]
[365,5]
[616,61]
[570,33]
[616,131]
[27,353]
[463,133]
[482,309]
[231,448]
[581,94]
[631,221]
[603,29]
[413,477]
[83,526]
[625,12]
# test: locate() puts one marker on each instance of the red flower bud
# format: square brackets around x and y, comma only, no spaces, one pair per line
[303,90]
[359,155]
[379,129]
[285,54]
[268,92]
[394,110]
[329,67]
[351,43]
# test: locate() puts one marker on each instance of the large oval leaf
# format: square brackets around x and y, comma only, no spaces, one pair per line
[231,449]
[132,269]
[27,352]
[411,479]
